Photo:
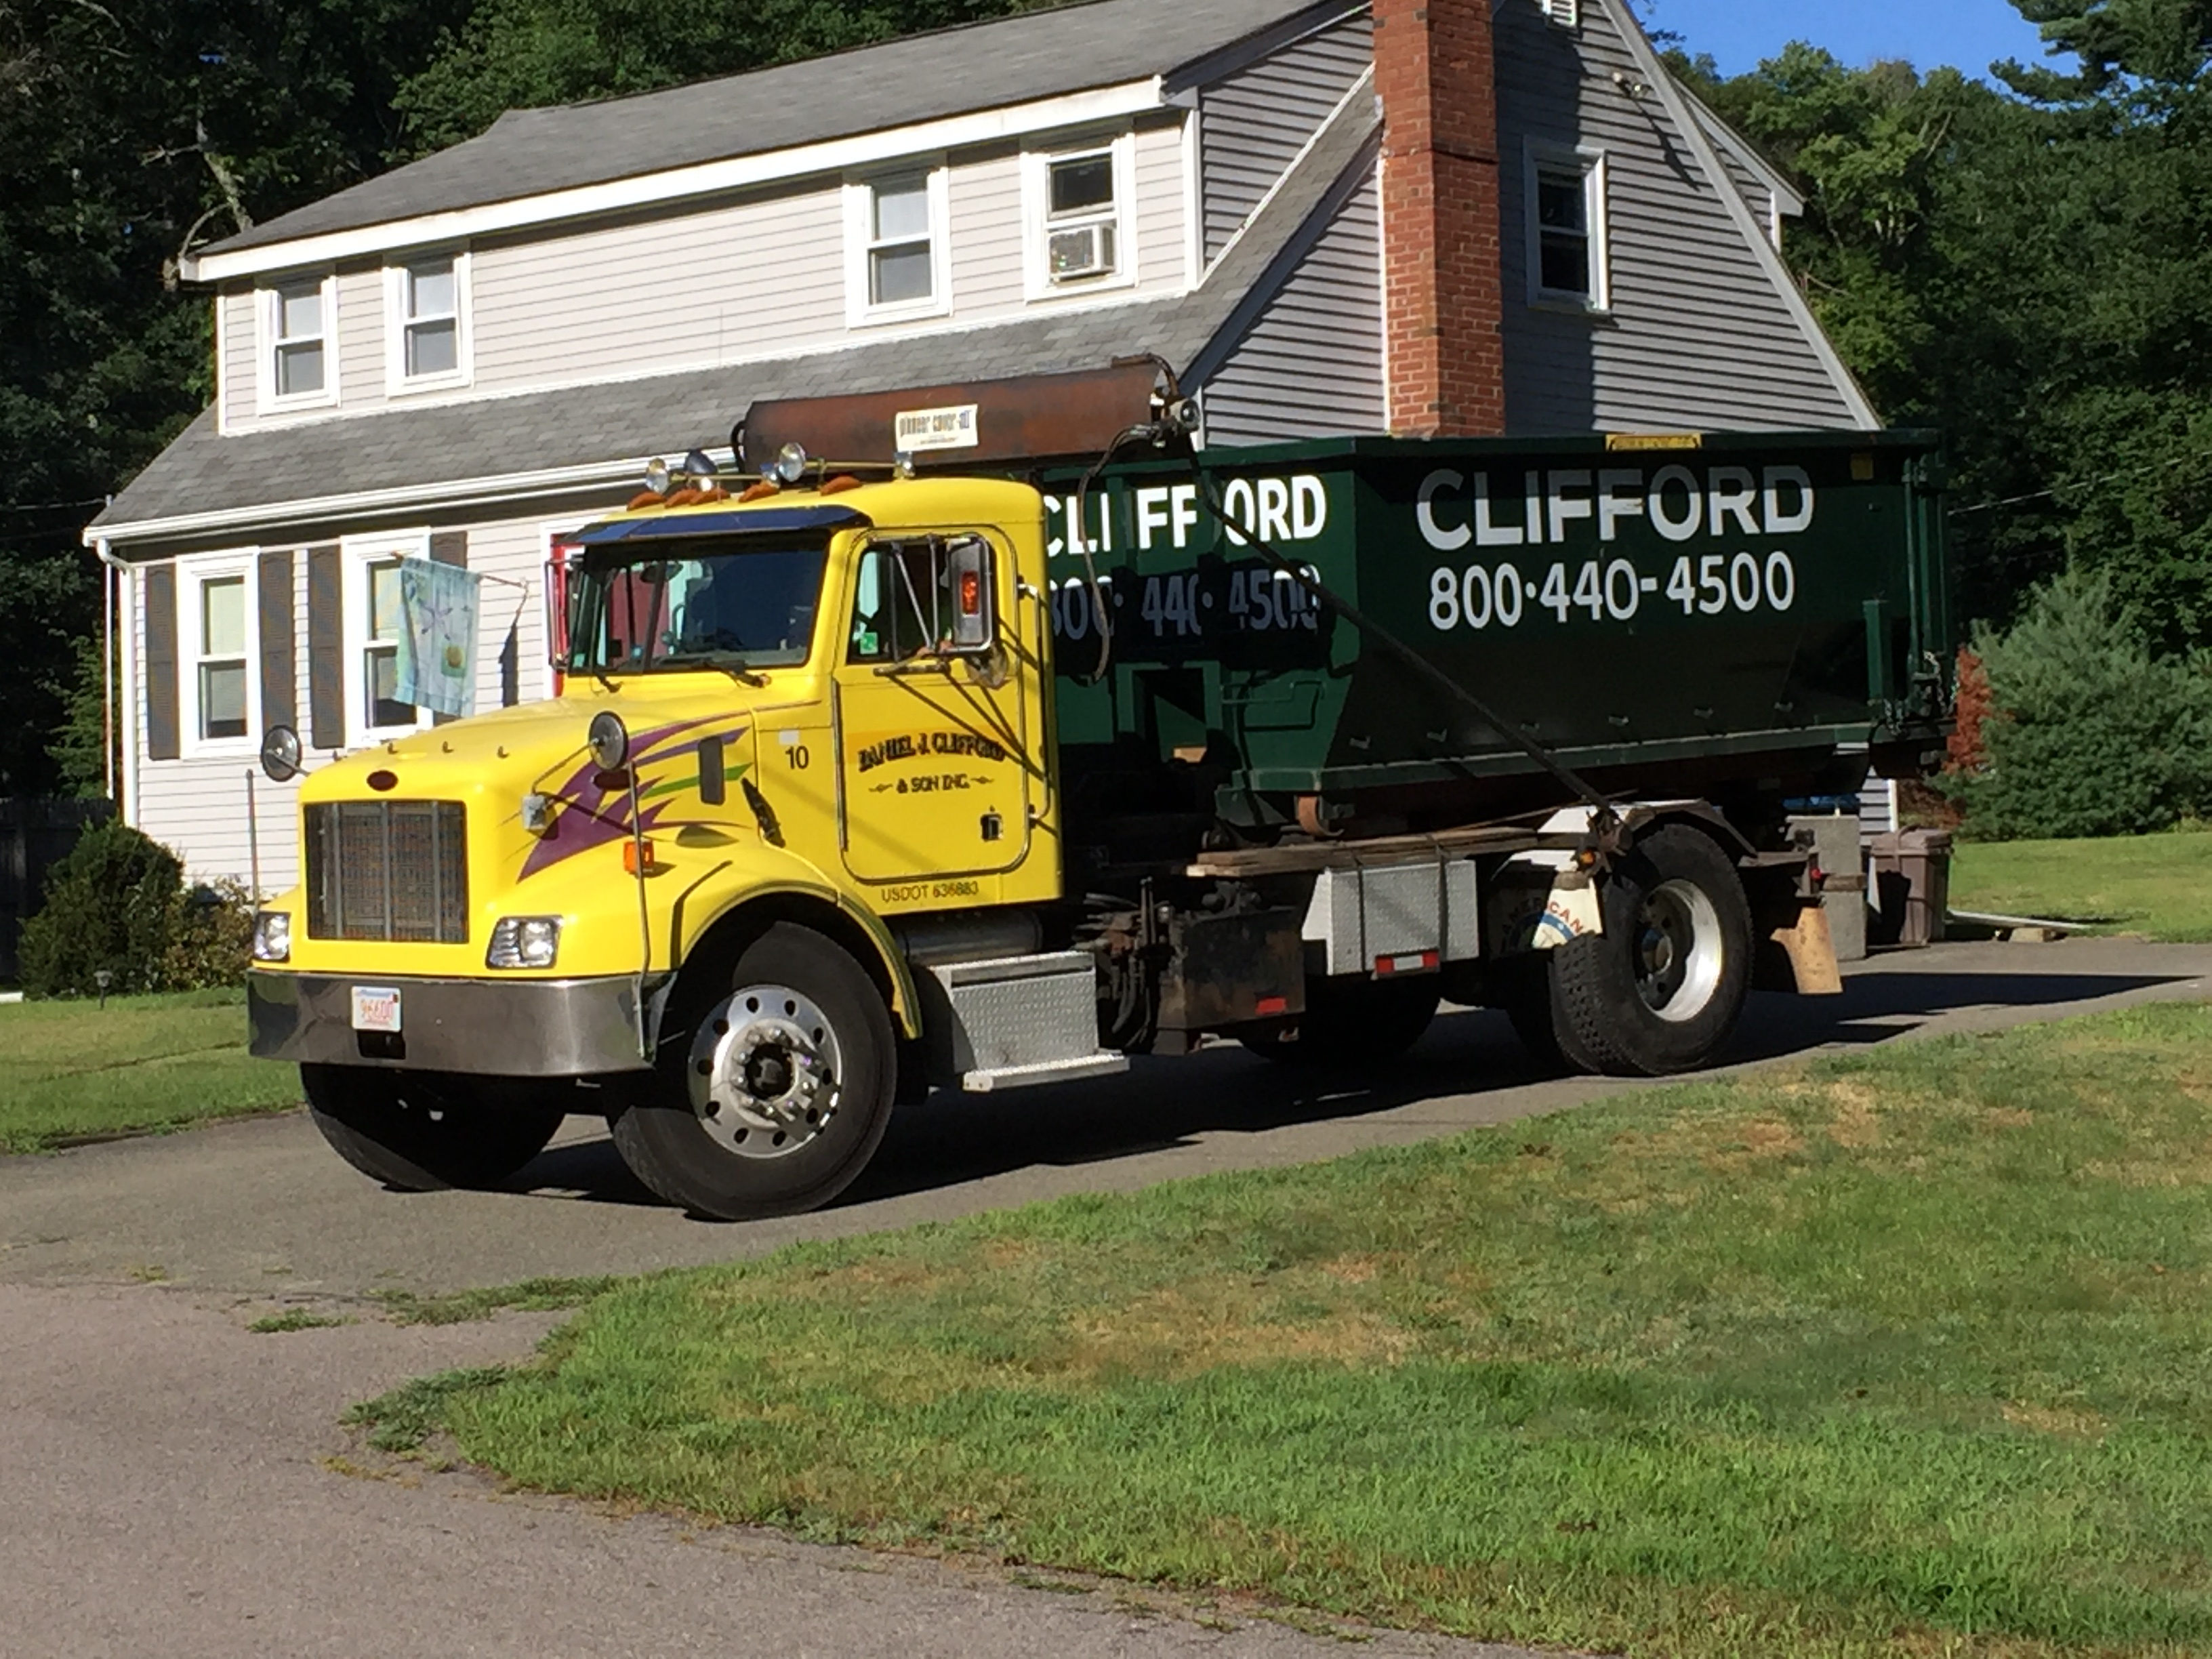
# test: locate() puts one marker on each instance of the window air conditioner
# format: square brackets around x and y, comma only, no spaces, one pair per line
[1084,251]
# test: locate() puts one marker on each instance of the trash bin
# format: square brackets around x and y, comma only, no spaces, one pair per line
[1909,886]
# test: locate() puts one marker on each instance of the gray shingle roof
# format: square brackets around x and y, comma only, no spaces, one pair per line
[922,77]
[205,471]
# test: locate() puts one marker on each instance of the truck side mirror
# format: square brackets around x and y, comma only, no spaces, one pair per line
[969,573]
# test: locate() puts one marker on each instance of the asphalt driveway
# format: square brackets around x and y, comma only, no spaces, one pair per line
[174,1483]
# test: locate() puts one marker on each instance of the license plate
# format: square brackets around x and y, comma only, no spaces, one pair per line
[375,1008]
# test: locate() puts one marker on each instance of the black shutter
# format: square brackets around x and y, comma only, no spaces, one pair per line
[280,670]
[160,591]
[326,650]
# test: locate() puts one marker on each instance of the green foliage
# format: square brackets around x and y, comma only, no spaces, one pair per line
[118,904]
[521,54]
[2095,736]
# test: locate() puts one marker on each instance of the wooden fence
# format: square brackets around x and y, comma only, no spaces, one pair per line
[34,835]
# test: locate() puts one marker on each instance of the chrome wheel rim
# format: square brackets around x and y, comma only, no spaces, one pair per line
[1680,952]
[765,1071]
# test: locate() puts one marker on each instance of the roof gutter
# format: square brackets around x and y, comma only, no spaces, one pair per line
[460,492]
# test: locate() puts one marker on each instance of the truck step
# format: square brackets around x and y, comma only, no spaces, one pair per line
[1006,1022]
[1103,1063]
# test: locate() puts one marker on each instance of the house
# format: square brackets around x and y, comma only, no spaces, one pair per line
[1466,216]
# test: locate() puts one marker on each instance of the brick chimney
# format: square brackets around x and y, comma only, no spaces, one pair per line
[1443,290]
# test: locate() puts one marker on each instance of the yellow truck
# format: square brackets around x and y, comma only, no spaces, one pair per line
[865,780]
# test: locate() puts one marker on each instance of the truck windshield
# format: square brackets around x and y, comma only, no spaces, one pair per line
[741,601]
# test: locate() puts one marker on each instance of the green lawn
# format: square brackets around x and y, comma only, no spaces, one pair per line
[2159,885]
[70,1070]
[1906,1353]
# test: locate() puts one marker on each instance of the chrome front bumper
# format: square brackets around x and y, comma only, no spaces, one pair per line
[492,1028]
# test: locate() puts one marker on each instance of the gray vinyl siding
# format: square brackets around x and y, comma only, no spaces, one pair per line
[1311,366]
[361,341]
[1699,338]
[234,327]
[1252,122]
[660,290]
[986,193]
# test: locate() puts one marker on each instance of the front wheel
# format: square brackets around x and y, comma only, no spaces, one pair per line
[420,1133]
[1661,990]
[774,1087]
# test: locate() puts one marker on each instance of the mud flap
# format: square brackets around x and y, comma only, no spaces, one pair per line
[1795,953]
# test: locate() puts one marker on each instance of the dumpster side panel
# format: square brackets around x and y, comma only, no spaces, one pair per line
[1637,610]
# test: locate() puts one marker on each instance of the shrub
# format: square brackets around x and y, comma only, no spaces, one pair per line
[2091,734]
[118,903]
[210,938]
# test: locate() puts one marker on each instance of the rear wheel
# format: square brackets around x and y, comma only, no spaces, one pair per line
[1350,1021]
[420,1132]
[1661,990]
[775,1085]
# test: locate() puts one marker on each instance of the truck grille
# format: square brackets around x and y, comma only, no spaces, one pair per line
[390,870]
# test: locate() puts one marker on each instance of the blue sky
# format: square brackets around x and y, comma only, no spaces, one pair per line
[1969,34]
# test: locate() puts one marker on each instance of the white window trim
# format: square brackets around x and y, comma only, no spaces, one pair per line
[355,555]
[1036,200]
[194,570]
[396,379]
[859,219]
[1592,164]
[265,400]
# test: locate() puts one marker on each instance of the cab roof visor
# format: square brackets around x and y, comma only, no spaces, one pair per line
[758,521]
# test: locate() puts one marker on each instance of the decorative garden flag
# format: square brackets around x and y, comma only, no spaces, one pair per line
[437,665]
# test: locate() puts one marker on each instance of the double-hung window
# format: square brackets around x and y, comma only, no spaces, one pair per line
[298,336]
[1077,207]
[373,619]
[896,231]
[426,299]
[219,631]
[1568,257]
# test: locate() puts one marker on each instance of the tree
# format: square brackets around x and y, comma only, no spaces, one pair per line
[2093,735]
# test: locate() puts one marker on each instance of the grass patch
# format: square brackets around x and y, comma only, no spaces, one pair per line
[1896,1352]
[401,1420]
[71,1072]
[532,1295]
[294,1319]
[2157,885]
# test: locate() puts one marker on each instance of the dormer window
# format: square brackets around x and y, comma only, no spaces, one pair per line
[298,331]
[895,234]
[427,300]
[1078,201]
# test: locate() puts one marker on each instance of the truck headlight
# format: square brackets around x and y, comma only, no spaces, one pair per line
[272,935]
[523,942]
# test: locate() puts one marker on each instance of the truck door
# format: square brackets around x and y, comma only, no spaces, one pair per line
[938,747]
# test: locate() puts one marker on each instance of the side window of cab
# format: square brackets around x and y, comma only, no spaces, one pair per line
[923,597]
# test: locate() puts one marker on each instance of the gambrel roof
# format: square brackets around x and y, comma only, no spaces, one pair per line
[1026,58]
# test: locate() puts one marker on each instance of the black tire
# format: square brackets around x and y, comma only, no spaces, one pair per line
[1524,990]
[422,1132]
[796,1011]
[1352,1022]
[1661,990]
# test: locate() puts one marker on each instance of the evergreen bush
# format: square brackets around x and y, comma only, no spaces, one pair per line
[2091,734]
[118,903]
